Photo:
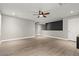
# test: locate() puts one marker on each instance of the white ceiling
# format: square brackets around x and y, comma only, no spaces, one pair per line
[26,10]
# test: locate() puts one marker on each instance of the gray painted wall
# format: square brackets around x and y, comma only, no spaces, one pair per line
[13,27]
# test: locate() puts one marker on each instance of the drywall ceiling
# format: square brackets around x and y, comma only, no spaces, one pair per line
[26,10]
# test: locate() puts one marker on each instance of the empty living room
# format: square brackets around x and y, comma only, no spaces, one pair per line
[39,29]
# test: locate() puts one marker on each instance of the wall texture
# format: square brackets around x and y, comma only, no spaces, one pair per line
[70,29]
[73,27]
[13,27]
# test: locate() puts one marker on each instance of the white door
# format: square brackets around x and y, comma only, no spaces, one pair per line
[37,28]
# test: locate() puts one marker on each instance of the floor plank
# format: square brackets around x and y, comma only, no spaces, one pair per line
[39,46]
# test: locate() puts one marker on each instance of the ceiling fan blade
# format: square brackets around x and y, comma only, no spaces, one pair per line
[44,16]
[46,13]
[42,13]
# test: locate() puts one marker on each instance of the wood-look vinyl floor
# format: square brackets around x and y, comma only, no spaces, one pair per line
[42,46]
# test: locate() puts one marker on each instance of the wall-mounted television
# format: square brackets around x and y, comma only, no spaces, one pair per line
[56,25]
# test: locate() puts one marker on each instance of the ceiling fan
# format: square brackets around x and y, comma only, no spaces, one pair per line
[42,14]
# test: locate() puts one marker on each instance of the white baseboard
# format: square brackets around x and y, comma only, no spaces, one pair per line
[59,38]
[33,37]
[55,37]
[17,38]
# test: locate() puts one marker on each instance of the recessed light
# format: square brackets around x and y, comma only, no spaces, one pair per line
[41,15]
[71,11]
[13,14]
